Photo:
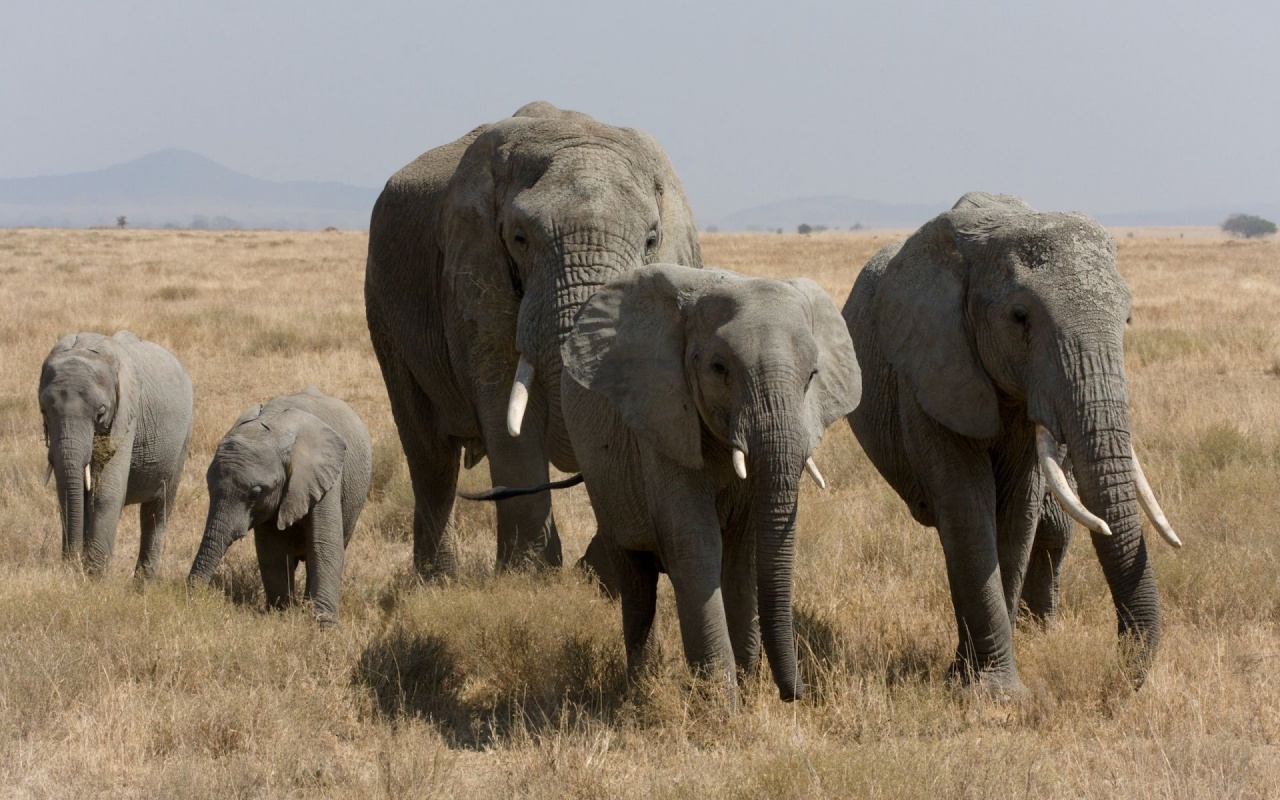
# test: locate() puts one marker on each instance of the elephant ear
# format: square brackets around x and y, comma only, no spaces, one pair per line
[313,465]
[679,242]
[628,344]
[253,413]
[919,312]
[836,389]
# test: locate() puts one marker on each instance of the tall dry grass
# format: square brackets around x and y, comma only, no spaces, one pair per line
[514,684]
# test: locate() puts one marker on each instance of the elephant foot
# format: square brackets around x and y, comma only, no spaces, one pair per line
[1002,685]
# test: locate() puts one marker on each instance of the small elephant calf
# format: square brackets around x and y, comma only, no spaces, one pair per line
[296,471]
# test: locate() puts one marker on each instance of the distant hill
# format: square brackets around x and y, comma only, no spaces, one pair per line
[840,212]
[833,211]
[181,188]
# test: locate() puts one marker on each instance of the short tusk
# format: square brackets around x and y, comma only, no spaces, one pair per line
[812,469]
[88,480]
[519,396]
[740,463]
[1047,450]
[1147,499]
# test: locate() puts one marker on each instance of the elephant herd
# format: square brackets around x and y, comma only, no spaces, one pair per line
[535,295]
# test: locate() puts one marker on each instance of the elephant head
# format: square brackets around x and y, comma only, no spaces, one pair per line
[709,368]
[269,468]
[993,303]
[88,398]
[543,209]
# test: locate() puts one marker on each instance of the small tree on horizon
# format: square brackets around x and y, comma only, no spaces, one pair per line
[804,228]
[122,221]
[1248,226]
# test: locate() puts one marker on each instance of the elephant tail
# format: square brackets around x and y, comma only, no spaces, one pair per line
[502,492]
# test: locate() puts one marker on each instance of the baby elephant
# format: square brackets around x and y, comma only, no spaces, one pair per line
[296,471]
[117,420]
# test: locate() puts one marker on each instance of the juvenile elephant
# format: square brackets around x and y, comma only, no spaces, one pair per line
[988,339]
[480,253]
[695,398]
[296,471]
[117,421]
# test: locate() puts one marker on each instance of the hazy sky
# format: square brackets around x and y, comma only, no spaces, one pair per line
[1099,106]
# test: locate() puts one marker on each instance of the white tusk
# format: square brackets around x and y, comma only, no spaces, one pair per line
[740,463]
[519,396]
[812,468]
[88,481]
[1147,499]
[1047,450]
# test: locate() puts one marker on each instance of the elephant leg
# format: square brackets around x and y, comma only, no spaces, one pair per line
[637,581]
[277,563]
[738,583]
[1019,492]
[527,532]
[598,563]
[325,553]
[152,518]
[956,474]
[1040,592]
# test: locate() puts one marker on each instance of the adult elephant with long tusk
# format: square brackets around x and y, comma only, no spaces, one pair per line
[989,340]
[481,252]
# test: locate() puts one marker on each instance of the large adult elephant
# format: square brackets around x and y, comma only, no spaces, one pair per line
[695,399]
[117,419]
[481,252]
[989,339]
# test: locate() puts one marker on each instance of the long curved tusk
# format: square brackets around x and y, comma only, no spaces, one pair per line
[88,480]
[1047,450]
[812,469]
[740,463]
[519,396]
[1147,499]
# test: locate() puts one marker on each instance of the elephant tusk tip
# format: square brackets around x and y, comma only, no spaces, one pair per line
[812,468]
[740,463]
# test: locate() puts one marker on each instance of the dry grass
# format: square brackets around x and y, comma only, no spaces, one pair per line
[513,685]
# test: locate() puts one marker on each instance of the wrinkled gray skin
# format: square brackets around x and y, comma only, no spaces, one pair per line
[666,370]
[296,471]
[988,320]
[483,249]
[135,398]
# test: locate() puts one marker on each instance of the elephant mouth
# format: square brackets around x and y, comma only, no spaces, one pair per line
[1060,488]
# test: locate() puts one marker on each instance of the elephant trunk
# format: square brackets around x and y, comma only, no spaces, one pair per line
[69,457]
[777,455]
[225,523]
[1098,437]
[580,263]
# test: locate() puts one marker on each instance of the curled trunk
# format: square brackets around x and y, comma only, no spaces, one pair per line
[223,526]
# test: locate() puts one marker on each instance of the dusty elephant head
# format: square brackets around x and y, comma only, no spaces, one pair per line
[992,303]
[266,471]
[88,398]
[710,368]
[544,208]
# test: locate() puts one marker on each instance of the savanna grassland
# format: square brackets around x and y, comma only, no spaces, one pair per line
[513,685]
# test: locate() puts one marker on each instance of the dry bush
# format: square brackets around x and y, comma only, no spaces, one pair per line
[514,684]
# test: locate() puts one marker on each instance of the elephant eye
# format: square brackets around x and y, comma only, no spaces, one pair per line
[520,238]
[809,382]
[1020,314]
[719,368]
[651,241]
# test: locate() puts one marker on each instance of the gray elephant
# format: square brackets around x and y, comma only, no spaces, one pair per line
[296,471]
[117,421]
[695,398]
[480,253]
[989,339]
